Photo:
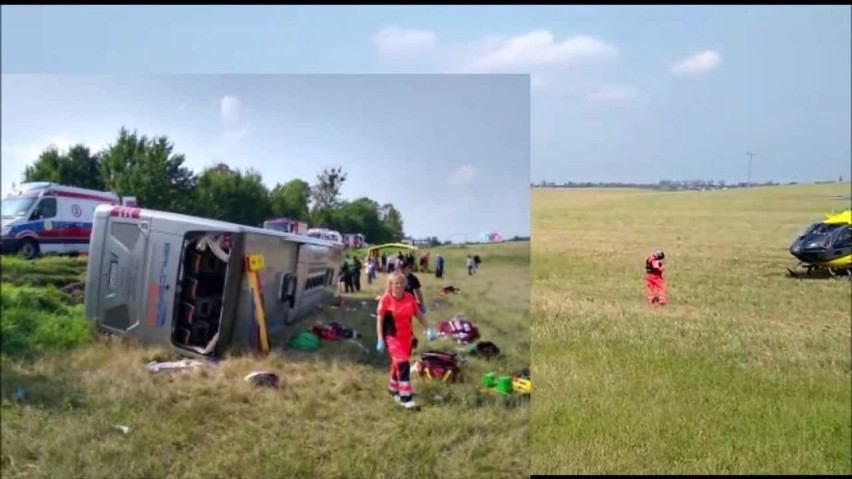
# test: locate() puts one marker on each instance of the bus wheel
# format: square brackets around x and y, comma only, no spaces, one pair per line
[29,248]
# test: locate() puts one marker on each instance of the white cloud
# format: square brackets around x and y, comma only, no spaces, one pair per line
[537,53]
[462,176]
[699,63]
[539,49]
[614,94]
[230,110]
[397,40]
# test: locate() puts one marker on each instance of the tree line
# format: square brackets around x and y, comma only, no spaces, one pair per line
[150,169]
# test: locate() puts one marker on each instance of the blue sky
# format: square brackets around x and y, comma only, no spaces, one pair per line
[619,93]
[450,152]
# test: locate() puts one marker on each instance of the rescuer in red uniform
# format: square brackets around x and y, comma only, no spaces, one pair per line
[655,285]
[394,316]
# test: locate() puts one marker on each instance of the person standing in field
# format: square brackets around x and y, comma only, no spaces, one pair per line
[655,285]
[471,266]
[439,266]
[371,269]
[349,275]
[413,286]
[394,332]
[341,279]
[356,276]
[424,262]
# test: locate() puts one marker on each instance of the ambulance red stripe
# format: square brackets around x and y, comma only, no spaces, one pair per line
[125,212]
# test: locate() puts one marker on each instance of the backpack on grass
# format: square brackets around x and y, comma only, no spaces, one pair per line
[460,328]
[439,365]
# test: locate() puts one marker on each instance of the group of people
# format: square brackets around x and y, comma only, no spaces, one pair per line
[350,272]
[350,275]
[391,263]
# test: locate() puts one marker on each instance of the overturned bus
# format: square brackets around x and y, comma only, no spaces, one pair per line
[202,286]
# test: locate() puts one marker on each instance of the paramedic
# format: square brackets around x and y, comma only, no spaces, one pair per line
[655,285]
[394,332]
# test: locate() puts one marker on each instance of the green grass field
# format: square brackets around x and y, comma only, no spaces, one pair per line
[331,416]
[746,371]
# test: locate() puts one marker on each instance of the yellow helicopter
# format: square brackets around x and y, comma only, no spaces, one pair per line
[825,246]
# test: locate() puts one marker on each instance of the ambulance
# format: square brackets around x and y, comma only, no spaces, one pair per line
[47,218]
[354,241]
[286,225]
[325,234]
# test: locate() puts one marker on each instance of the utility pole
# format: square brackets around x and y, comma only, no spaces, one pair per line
[750,159]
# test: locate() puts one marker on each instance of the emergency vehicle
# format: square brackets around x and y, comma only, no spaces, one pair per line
[326,234]
[354,241]
[47,218]
[286,225]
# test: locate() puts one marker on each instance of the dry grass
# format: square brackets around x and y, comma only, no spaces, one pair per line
[746,371]
[331,416]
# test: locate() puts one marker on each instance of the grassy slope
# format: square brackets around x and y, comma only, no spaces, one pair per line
[331,417]
[745,372]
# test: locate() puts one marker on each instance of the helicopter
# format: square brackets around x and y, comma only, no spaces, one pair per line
[825,246]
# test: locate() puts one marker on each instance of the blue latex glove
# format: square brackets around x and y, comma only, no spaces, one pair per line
[430,334]
[423,309]
[380,345]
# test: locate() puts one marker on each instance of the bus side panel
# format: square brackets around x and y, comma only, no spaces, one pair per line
[317,270]
[280,258]
[158,285]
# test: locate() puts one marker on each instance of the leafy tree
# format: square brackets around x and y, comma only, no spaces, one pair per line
[231,195]
[149,170]
[392,223]
[360,216]
[291,200]
[325,194]
[77,167]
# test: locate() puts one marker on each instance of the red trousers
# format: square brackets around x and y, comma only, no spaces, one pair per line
[655,288]
[399,380]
